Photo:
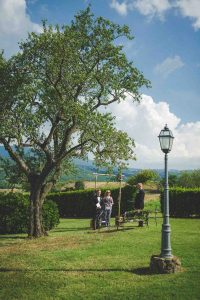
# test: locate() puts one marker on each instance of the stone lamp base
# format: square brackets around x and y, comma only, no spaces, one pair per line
[160,265]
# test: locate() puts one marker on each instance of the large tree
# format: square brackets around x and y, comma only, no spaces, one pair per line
[53,90]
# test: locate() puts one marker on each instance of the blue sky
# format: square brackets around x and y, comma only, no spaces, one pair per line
[165,48]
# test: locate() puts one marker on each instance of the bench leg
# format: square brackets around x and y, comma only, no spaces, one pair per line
[141,223]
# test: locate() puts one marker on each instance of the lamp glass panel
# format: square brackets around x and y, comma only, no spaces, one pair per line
[170,143]
[166,139]
[164,142]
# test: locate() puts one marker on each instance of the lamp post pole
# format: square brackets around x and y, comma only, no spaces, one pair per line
[165,262]
[120,196]
[166,251]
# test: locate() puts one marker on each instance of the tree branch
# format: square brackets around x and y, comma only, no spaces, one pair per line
[67,135]
[77,147]
[21,163]
[53,128]
[60,73]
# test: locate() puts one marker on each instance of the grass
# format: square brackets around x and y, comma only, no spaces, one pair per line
[152,205]
[74,262]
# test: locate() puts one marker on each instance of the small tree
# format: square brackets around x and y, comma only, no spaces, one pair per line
[79,185]
[143,176]
[172,180]
[189,179]
[51,93]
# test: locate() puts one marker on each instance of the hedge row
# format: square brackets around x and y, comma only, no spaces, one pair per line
[14,207]
[14,213]
[183,202]
[80,203]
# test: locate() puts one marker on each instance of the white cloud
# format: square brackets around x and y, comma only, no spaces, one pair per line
[191,9]
[145,7]
[169,65]
[121,8]
[158,8]
[152,8]
[15,23]
[144,121]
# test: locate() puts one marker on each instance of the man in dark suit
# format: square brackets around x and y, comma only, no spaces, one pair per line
[139,199]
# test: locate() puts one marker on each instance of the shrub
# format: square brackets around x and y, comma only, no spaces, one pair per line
[79,185]
[152,205]
[189,179]
[14,213]
[143,176]
[172,180]
[183,202]
[50,215]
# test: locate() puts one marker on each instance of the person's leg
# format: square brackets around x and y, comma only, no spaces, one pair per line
[96,214]
[94,220]
[107,217]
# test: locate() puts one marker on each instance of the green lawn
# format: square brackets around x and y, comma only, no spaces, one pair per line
[75,262]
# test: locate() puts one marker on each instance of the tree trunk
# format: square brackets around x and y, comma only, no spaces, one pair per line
[37,195]
[39,190]
[36,228]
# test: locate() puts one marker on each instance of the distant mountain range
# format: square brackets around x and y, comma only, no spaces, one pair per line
[85,170]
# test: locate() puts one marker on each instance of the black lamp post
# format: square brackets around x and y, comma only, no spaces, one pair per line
[166,140]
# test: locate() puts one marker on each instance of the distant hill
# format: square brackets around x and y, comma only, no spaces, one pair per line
[86,168]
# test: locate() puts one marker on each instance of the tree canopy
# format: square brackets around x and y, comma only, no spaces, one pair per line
[52,92]
[189,179]
[143,176]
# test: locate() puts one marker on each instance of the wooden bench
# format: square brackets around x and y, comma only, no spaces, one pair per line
[139,215]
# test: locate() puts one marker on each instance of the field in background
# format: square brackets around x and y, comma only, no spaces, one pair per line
[151,189]
[152,196]
[102,184]
[151,192]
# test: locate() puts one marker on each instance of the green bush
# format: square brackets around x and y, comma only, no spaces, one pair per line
[189,179]
[80,203]
[79,185]
[143,176]
[14,213]
[50,215]
[152,205]
[183,202]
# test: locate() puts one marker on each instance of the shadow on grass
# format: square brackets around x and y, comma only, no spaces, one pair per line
[13,237]
[88,229]
[108,230]
[70,229]
[138,271]
[142,271]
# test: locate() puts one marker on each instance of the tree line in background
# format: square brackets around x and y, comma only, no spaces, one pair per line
[186,179]
[11,178]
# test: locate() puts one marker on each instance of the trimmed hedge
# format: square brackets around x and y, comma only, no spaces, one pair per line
[80,203]
[183,202]
[14,213]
